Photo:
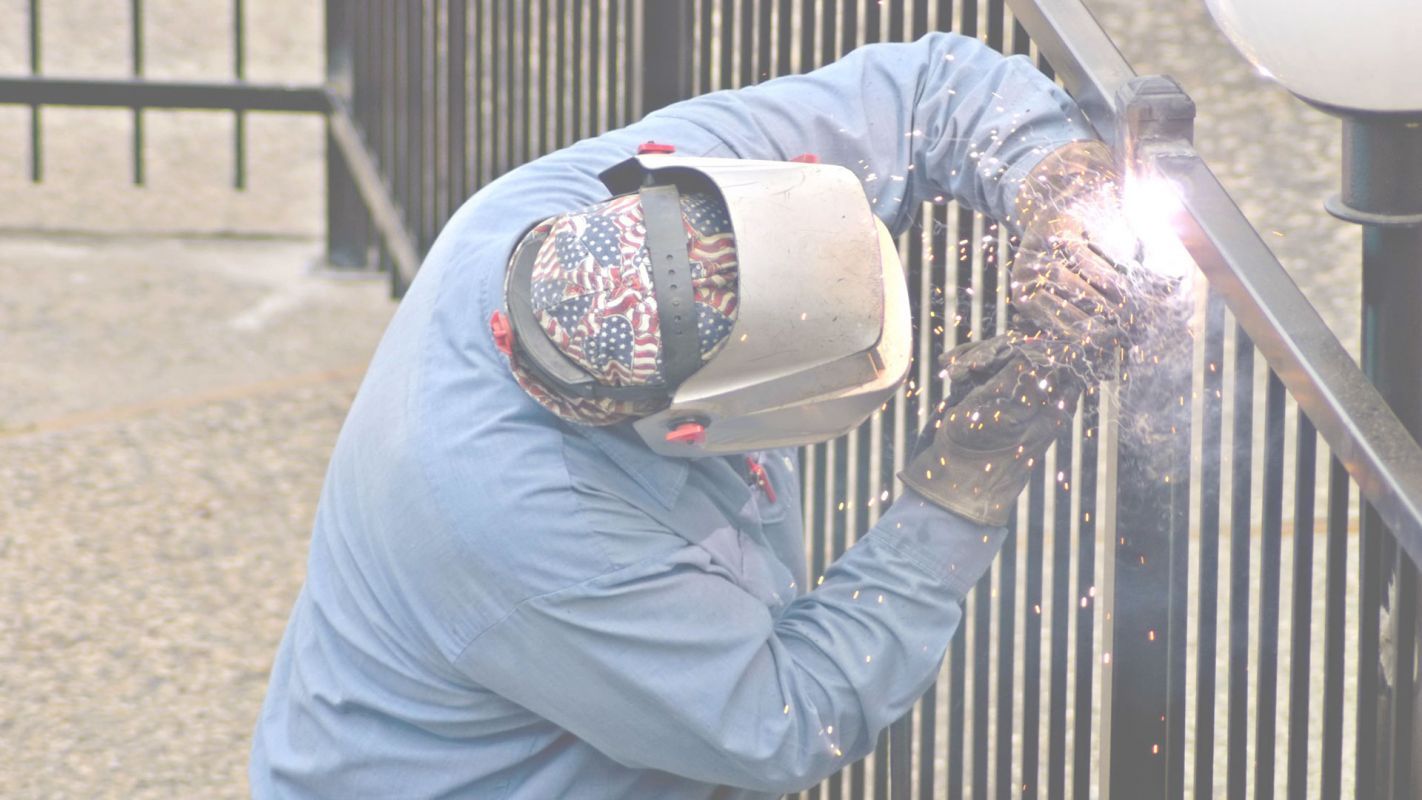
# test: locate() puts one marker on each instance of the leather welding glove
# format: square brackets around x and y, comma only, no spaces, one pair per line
[1067,296]
[1008,399]
[1065,192]
[1063,287]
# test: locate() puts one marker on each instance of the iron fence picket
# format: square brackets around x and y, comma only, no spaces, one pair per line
[1271,539]
[388,140]
[785,27]
[881,775]
[597,79]
[1061,601]
[380,130]
[1301,619]
[437,161]
[982,643]
[958,330]
[1240,526]
[36,125]
[136,55]
[1006,661]
[1334,632]
[1370,573]
[457,167]
[872,27]
[574,71]
[957,699]
[239,71]
[1021,43]
[839,542]
[1209,510]
[928,742]
[1403,619]
[407,170]
[1030,732]
[425,225]
[1086,589]
[764,40]
[611,21]
[1179,478]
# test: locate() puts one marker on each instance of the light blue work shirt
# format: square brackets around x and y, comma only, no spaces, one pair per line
[502,605]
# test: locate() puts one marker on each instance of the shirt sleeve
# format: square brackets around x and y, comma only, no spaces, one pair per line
[942,117]
[668,664]
[945,117]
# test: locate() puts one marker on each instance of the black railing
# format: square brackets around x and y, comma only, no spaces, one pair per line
[1086,664]
[432,100]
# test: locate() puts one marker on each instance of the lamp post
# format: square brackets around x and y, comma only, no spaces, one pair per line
[1362,62]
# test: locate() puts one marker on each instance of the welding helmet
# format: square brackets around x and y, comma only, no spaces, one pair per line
[821,331]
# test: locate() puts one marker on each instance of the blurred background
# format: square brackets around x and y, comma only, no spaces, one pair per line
[176,358]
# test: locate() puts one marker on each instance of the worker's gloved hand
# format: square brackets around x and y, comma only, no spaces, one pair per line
[1008,399]
[1067,295]
[1065,286]
[1067,193]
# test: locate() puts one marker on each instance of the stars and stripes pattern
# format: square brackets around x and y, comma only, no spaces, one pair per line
[592,295]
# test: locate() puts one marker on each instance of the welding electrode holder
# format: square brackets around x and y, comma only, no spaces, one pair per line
[1155,119]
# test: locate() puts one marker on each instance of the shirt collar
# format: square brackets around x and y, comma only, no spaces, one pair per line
[661,476]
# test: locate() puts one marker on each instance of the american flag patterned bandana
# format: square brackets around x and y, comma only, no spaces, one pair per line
[592,296]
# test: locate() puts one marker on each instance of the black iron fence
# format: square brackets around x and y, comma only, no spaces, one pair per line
[139,93]
[1091,659]
[434,99]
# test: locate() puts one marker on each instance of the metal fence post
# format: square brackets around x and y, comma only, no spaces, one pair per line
[1382,191]
[666,59]
[348,223]
[1144,586]
[1148,474]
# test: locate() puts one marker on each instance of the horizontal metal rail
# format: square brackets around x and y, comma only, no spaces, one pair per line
[1351,415]
[1081,54]
[147,93]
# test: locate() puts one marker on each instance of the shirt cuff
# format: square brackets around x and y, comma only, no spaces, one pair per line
[947,546]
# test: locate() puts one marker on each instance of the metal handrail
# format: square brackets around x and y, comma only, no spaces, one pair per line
[1350,414]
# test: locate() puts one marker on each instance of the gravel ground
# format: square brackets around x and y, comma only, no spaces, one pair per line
[166,416]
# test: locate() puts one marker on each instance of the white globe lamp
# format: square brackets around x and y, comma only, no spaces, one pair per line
[1363,55]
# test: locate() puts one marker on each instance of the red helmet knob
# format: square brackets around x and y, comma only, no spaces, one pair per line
[503,332]
[655,148]
[689,433]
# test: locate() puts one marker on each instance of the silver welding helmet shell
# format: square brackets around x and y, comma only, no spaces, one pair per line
[822,336]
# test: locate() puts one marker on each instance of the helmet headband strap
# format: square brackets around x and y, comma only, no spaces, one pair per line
[670,271]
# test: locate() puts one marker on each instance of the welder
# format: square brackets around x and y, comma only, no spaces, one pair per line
[559,552]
